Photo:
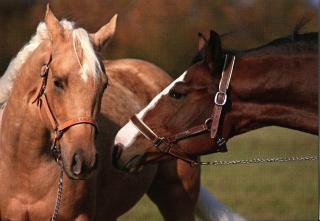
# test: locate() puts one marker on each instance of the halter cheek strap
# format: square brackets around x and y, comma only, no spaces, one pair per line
[41,100]
[220,98]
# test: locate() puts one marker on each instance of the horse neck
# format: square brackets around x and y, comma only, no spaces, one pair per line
[23,135]
[279,90]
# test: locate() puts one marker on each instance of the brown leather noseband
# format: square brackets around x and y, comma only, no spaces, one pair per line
[41,100]
[212,124]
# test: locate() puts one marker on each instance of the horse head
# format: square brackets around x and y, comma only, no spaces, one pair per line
[185,103]
[56,84]
[74,86]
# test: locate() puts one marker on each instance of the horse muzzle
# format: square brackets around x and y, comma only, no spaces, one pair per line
[78,167]
[132,165]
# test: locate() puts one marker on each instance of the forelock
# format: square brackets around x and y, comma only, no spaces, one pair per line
[90,63]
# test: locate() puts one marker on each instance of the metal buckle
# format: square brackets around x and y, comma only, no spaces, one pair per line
[58,134]
[161,140]
[224,98]
[158,141]
[56,150]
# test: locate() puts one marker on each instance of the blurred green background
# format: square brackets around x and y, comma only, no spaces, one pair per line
[264,192]
[165,33]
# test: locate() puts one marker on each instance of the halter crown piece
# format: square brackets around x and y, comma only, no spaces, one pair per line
[41,100]
[212,124]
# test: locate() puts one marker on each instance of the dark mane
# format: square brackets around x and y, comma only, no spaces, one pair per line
[294,43]
[289,44]
[311,37]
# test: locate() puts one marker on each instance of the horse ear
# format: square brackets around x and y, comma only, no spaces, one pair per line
[54,28]
[202,41]
[104,34]
[213,52]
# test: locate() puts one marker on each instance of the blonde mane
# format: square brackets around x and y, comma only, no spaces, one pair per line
[89,64]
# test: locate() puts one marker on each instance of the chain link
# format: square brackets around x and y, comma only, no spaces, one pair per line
[211,163]
[256,161]
[58,198]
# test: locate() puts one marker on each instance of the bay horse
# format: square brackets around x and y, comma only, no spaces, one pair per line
[73,87]
[173,186]
[274,84]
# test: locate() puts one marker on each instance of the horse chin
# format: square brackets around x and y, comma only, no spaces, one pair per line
[76,177]
[134,165]
[71,175]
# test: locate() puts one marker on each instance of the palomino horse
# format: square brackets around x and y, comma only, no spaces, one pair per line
[275,84]
[54,100]
[72,87]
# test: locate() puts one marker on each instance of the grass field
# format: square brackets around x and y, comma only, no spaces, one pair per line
[266,192]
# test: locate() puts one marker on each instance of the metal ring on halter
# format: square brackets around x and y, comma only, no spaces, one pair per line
[158,141]
[208,123]
[58,134]
[44,70]
[224,98]
[220,141]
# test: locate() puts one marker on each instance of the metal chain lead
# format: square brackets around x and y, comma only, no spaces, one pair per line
[58,198]
[212,163]
[257,161]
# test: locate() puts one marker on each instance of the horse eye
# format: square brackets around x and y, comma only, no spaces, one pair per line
[58,83]
[176,95]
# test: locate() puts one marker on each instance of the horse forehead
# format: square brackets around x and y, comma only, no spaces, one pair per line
[129,133]
[65,59]
[65,62]
[198,73]
[63,50]
[164,92]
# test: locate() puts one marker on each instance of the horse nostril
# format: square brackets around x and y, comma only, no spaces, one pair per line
[76,164]
[116,153]
[117,150]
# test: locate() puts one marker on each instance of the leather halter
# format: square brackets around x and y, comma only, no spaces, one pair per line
[41,100]
[212,124]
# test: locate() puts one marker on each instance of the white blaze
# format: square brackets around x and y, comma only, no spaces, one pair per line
[128,134]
